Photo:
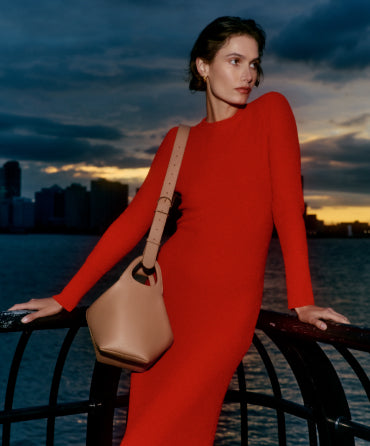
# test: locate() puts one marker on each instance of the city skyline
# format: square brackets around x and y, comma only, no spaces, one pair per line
[75,207]
[78,104]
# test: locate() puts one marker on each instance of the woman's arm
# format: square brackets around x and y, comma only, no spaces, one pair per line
[288,209]
[119,239]
[287,199]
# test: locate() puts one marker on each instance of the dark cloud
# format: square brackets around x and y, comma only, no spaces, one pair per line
[61,79]
[355,121]
[42,140]
[131,162]
[336,33]
[337,164]
[66,150]
[354,179]
[334,198]
[47,127]
[152,150]
[348,148]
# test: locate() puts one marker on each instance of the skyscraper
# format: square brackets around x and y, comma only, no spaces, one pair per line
[77,207]
[49,208]
[2,184]
[107,201]
[11,179]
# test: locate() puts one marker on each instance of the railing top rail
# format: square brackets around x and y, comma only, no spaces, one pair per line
[350,336]
[10,321]
[272,322]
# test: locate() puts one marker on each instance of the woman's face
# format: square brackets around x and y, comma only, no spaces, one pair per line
[233,72]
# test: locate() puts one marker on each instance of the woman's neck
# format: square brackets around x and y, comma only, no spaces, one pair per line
[218,111]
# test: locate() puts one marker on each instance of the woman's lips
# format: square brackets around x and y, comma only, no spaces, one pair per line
[243,90]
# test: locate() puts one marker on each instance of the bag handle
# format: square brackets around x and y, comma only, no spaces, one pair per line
[165,200]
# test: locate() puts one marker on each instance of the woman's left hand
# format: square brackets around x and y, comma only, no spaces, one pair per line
[314,315]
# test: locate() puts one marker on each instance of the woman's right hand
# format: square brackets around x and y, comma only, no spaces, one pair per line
[40,307]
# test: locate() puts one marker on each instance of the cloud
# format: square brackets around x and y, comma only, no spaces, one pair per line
[67,150]
[355,121]
[42,126]
[35,148]
[44,140]
[152,150]
[55,78]
[331,198]
[335,33]
[340,164]
[346,148]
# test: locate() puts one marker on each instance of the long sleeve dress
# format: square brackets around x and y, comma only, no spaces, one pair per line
[238,177]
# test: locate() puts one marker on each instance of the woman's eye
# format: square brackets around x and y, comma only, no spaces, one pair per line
[234,61]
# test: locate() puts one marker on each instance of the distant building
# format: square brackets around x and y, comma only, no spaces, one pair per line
[2,184]
[313,225]
[49,208]
[77,208]
[23,213]
[10,188]
[107,201]
[10,180]
[353,229]
[5,214]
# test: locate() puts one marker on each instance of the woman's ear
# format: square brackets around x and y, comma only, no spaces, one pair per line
[202,67]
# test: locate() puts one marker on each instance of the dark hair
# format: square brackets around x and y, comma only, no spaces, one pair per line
[213,38]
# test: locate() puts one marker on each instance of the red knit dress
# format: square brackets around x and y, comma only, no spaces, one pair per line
[238,177]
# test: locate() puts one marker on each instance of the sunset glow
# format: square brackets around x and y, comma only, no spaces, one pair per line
[341,214]
[111,173]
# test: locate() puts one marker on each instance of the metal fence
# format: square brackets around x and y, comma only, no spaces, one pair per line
[324,404]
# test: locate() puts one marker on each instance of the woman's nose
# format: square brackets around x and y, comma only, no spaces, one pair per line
[247,75]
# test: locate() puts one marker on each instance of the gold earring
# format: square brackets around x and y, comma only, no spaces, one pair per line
[205,79]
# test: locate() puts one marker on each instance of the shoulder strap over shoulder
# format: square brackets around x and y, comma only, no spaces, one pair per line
[165,199]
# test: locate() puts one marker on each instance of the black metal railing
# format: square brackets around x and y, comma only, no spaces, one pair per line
[102,400]
[326,405]
[323,403]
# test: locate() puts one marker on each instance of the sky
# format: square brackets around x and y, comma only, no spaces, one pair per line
[89,88]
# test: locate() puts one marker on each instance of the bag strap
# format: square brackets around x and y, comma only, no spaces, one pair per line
[165,200]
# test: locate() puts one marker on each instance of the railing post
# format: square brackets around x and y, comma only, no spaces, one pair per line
[13,375]
[320,386]
[103,391]
[275,386]
[243,405]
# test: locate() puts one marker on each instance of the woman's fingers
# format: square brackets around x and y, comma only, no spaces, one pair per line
[30,305]
[320,324]
[316,316]
[40,307]
[332,315]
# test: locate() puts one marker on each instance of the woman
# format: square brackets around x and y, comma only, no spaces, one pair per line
[240,175]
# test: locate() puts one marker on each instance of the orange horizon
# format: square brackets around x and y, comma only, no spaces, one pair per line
[341,214]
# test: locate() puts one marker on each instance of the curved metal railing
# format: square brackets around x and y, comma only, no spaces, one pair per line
[324,404]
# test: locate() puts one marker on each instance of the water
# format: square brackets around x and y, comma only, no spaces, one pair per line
[39,265]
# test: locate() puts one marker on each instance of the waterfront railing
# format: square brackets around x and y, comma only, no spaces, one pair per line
[327,370]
